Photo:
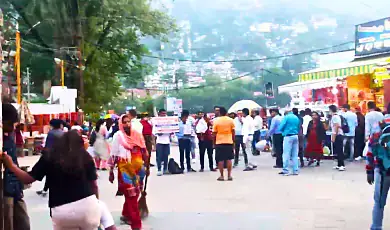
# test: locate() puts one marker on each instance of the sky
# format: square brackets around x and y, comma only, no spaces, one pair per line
[366,9]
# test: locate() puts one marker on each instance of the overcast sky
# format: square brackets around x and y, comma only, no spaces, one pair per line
[366,9]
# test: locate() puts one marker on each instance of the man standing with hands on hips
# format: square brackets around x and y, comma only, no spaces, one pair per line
[289,127]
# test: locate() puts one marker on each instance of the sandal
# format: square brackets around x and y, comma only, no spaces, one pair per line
[230,178]
[125,221]
[221,179]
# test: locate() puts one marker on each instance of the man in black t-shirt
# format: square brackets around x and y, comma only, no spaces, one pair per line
[54,134]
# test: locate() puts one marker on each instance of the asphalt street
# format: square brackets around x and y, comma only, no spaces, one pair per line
[319,198]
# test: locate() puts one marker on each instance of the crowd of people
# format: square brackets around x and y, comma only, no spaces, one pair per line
[71,157]
[71,174]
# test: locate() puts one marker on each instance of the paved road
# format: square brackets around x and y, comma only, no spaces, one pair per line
[319,198]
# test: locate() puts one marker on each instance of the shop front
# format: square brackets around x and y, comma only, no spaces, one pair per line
[364,79]
[338,84]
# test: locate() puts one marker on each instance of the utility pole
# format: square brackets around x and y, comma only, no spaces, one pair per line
[28,85]
[17,64]
[79,39]
[1,122]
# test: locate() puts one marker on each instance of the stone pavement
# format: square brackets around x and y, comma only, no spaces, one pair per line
[319,198]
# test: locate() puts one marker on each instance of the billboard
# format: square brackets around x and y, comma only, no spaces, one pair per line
[372,37]
[174,105]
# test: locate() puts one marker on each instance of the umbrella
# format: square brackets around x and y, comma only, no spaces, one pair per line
[240,105]
[25,115]
[112,116]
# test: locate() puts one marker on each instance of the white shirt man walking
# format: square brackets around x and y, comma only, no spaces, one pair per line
[351,119]
[248,129]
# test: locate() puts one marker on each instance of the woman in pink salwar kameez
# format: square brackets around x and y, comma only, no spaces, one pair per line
[129,153]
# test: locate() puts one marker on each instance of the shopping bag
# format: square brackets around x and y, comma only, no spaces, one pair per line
[326,151]
[365,150]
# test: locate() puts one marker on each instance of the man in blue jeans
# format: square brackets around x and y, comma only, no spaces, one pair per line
[289,127]
[184,136]
[378,163]
[15,210]
[162,146]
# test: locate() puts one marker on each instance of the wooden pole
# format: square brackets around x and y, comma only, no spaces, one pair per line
[1,123]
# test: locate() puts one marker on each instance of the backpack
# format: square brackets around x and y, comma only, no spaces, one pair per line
[344,125]
[174,167]
[381,148]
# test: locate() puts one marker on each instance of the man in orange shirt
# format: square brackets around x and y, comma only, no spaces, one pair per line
[223,130]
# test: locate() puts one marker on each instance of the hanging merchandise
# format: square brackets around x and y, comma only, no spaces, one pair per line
[25,116]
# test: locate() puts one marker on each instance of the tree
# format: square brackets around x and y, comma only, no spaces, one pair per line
[218,92]
[105,33]
[121,103]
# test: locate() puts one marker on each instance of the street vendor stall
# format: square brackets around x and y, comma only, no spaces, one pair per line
[358,81]
[338,84]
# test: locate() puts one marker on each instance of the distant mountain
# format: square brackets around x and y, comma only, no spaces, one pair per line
[244,29]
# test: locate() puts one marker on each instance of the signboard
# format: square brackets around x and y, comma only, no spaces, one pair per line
[170,103]
[373,37]
[269,90]
[166,124]
[174,105]
[179,106]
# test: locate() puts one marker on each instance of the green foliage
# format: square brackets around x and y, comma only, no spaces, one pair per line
[142,104]
[216,92]
[107,32]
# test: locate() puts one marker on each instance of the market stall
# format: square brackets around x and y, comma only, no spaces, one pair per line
[352,83]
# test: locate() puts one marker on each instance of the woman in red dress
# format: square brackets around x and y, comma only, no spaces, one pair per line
[315,136]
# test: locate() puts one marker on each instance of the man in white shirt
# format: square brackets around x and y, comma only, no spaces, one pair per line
[162,146]
[248,129]
[239,139]
[305,124]
[192,121]
[337,137]
[372,120]
[351,119]
[258,125]
[135,123]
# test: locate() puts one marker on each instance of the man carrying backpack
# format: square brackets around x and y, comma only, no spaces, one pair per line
[337,137]
[349,137]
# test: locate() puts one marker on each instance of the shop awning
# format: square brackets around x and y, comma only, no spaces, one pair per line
[341,70]
[305,85]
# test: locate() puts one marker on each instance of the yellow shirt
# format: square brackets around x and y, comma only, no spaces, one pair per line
[223,128]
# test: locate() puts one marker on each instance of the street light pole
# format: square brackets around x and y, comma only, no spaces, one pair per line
[61,63]
[28,85]
[17,64]
[62,73]
[79,43]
